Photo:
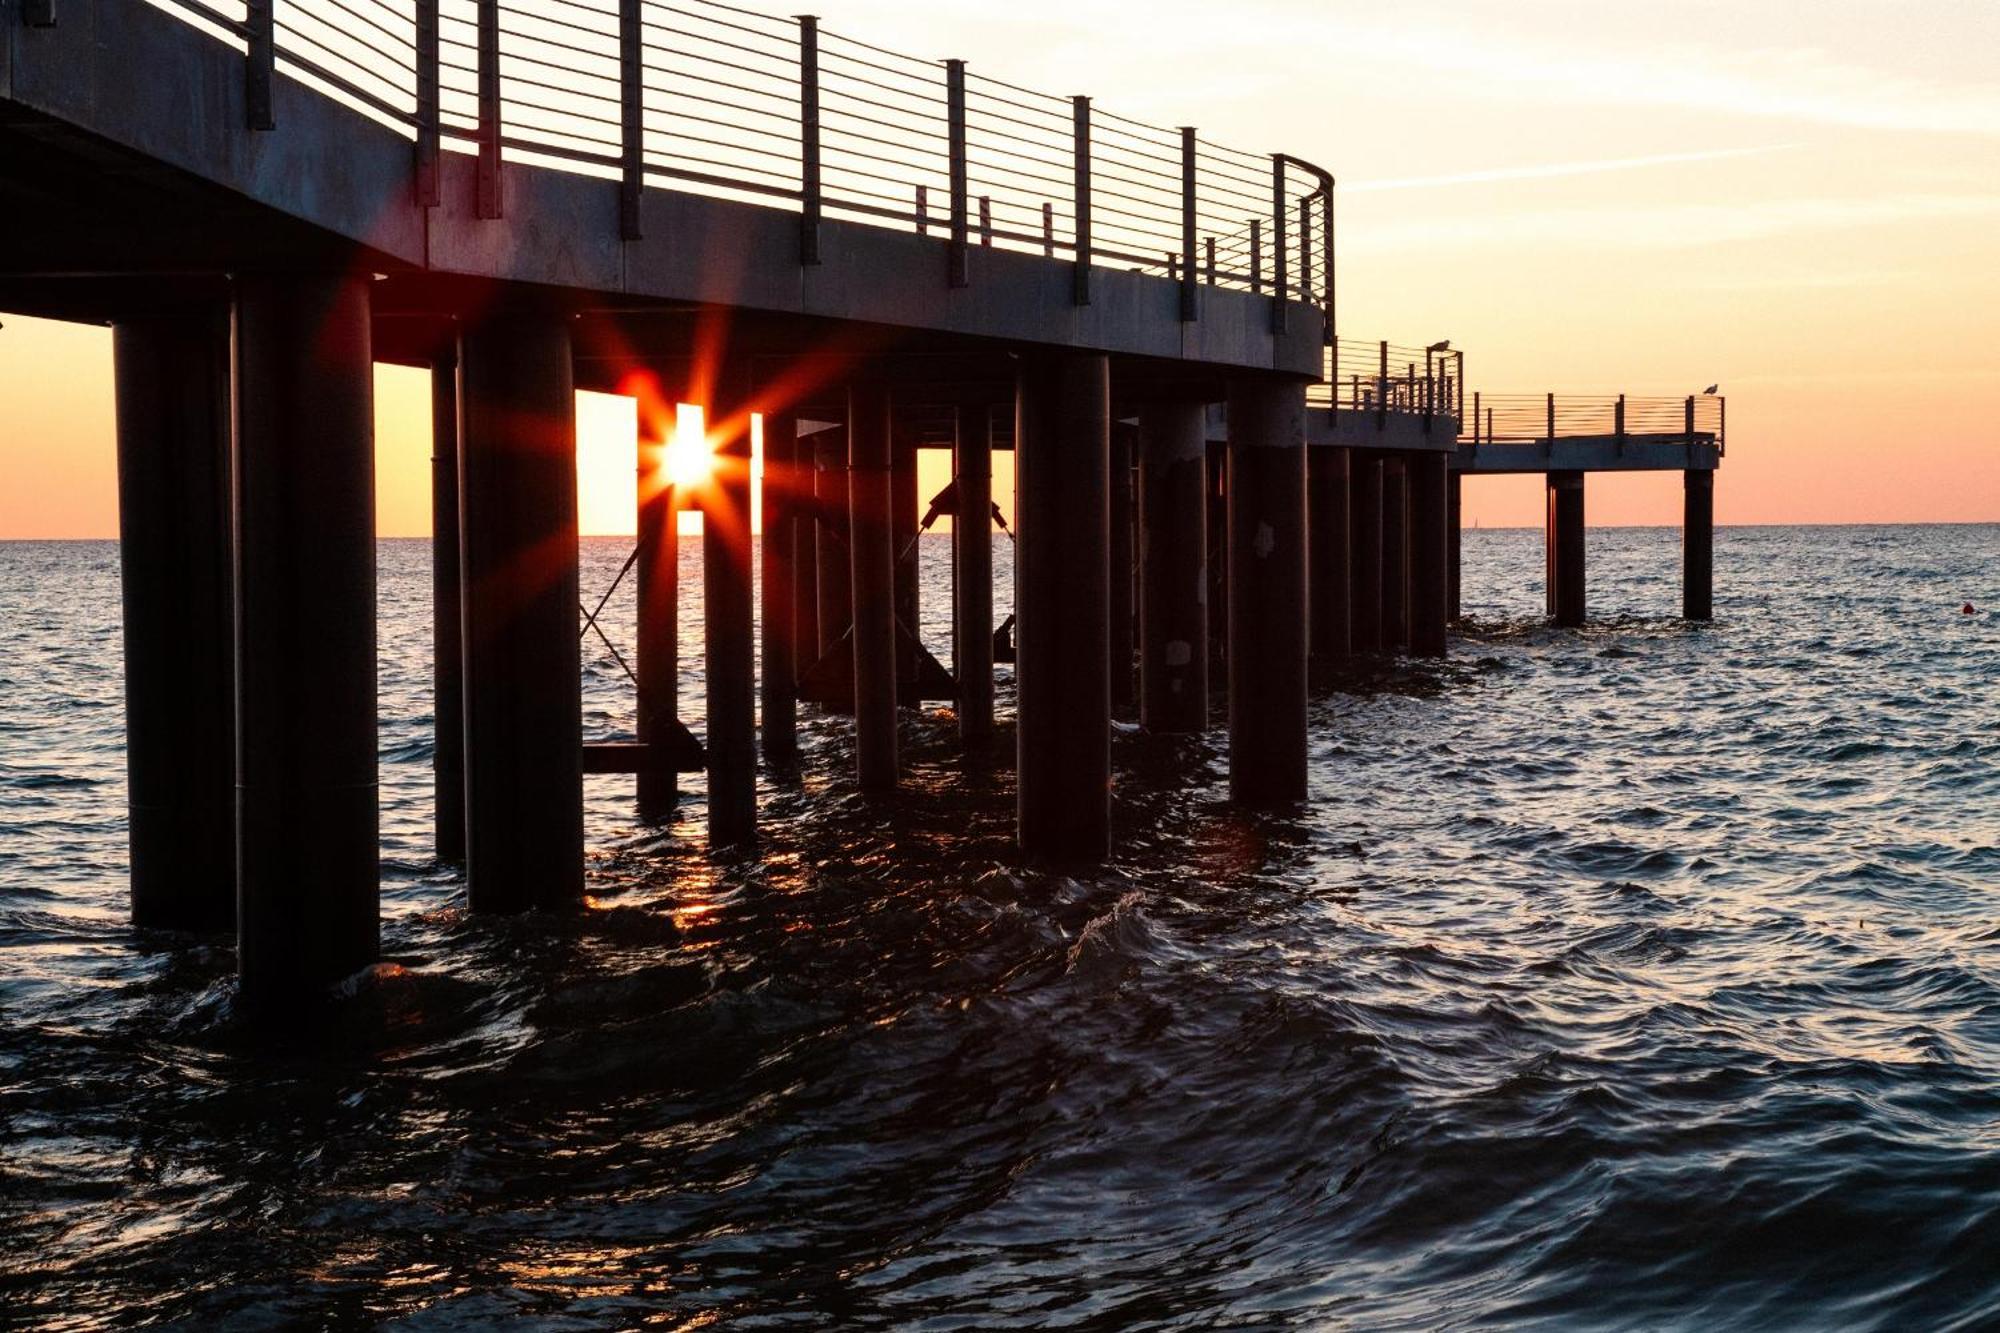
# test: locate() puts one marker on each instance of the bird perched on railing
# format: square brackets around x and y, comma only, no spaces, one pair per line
[1710,390]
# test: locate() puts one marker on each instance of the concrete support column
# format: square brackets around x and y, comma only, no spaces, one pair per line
[907,512]
[806,537]
[305,636]
[1328,582]
[447,599]
[972,571]
[1267,591]
[1123,559]
[1698,545]
[1062,444]
[172,378]
[836,598]
[1395,555]
[1563,539]
[1454,532]
[780,540]
[729,618]
[657,663]
[1173,567]
[1364,513]
[523,670]
[871,538]
[1429,594]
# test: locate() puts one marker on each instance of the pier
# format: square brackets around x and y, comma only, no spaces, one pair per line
[850,254]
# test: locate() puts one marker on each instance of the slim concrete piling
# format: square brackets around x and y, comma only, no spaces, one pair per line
[1429,594]
[1454,525]
[447,636]
[1062,443]
[657,572]
[305,636]
[1395,555]
[1698,544]
[780,542]
[172,383]
[836,598]
[728,618]
[1267,591]
[1563,540]
[523,690]
[1328,583]
[972,570]
[1173,567]
[1365,564]
[871,537]
[1122,566]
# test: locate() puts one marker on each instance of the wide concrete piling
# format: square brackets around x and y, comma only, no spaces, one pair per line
[1365,550]
[779,680]
[1062,444]
[1123,566]
[172,381]
[447,601]
[972,570]
[1327,583]
[871,542]
[1267,591]
[657,572]
[729,618]
[305,636]
[1429,595]
[1173,567]
[1698,544]
[1563,543]
[1395,555]
[1454,534]
[523,672]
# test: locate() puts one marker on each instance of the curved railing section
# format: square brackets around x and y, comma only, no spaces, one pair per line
[712,98]
[1537,418]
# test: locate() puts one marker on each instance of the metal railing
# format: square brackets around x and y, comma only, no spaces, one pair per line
[710,98]
[1387,379]
[1537,418]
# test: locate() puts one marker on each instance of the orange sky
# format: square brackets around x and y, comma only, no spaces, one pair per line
[1584,197]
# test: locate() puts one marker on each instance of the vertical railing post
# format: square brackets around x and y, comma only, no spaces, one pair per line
[1326,259]
[1211,261]
[923,211]
[1382,387]
[1687,423]
[1548,440]
[1278,279]
[1475,420]
[809,196]
[1430,389]
[1189,310]
[1048,230]
[957,274]
[1461,386]
[1305,287]
[427,192]
[986,221]
[1080,151]
[1256,257]
[260,56]
[632,119]
[1618,422]
[488,170]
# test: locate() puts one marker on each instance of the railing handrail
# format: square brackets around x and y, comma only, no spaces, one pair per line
[715,98]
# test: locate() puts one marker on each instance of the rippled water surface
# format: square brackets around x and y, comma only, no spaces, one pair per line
[1639,977]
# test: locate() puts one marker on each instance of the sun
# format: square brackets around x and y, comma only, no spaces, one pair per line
[690,454]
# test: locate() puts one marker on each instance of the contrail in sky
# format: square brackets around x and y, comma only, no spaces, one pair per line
[1559,169]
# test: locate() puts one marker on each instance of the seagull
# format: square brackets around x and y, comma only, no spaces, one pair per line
[1711,389]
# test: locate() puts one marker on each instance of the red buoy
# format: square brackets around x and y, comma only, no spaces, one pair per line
[1967,610]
